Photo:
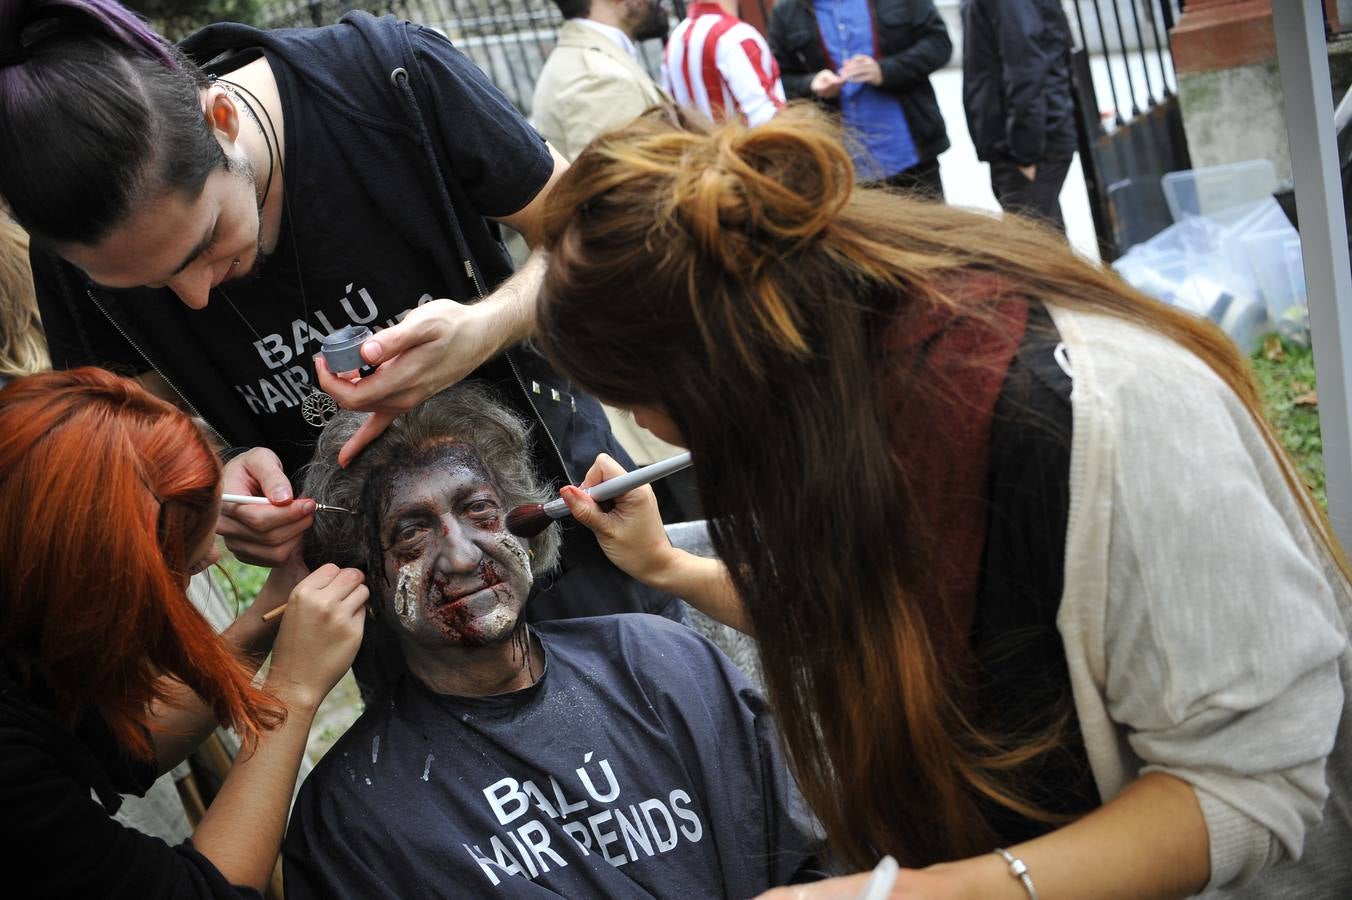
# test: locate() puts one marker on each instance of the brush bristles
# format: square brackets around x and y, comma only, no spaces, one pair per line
[529,520]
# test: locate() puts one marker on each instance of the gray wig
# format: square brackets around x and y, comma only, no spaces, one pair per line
[466,414]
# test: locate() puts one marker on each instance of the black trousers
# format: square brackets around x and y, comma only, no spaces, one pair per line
[1039,198]
[921,178]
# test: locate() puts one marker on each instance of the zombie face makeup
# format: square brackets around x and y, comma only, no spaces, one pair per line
[454,574]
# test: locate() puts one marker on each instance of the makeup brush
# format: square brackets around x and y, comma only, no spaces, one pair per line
[529,520]
[264,501]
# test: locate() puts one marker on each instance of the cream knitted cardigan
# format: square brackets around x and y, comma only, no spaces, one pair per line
[1204,635]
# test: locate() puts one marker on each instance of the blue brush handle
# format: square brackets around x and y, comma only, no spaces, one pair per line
[609,490]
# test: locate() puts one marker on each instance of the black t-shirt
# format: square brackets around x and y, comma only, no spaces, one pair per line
[641,764]
[1023,683]
[338,256]
[365,233]
[58,790]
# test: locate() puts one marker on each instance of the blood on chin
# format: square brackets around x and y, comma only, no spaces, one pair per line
[477,619]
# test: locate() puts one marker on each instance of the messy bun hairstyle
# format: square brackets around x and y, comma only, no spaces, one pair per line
[738,280]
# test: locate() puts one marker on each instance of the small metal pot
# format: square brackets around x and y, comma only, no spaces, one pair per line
[342,350]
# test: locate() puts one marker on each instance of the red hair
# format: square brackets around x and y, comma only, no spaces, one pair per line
[104,491]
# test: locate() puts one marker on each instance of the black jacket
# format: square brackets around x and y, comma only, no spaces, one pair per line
[912,43]
[1016,80]
[62,840]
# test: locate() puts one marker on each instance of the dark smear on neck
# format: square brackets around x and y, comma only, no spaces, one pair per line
[521,644]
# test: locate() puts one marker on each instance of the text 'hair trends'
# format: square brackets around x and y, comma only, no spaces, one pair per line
[97,113]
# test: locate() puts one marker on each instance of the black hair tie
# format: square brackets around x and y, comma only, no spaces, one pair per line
[13,56]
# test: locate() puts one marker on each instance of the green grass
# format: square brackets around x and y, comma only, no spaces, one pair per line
[247,580]
[1286,376]
[343,704]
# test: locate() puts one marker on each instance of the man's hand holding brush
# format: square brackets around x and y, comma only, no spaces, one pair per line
[632,537]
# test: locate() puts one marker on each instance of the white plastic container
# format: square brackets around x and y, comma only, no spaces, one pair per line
[1277,264]
[1223,193]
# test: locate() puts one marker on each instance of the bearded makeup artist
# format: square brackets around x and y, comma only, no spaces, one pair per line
[228,203]
[1044,609]
[109,675]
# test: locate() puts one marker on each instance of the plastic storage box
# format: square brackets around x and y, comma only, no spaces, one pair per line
[1224,193]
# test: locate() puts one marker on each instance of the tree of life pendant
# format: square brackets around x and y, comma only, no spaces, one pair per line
[318,408]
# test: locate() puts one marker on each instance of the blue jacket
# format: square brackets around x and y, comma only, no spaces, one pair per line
[912,43]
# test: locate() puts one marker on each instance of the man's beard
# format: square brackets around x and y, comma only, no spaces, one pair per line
[654,23]
[245,170]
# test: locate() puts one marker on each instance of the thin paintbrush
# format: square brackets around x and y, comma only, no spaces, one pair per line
[264,501]
[529,520]
[248,500]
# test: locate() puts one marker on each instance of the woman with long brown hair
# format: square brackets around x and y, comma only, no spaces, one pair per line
[1028,570]
[109,675]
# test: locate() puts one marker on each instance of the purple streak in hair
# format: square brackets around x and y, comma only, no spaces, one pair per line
[112,19]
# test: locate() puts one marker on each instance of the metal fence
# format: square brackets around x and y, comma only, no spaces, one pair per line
[1132,133]
[508,39]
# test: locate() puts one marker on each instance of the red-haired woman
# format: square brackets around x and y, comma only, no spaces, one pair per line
[109,675]
[1028,570]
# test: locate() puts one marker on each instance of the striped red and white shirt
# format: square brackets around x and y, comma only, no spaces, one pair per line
[721,66]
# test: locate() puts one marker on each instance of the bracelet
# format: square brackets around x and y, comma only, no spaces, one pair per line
[1018,869]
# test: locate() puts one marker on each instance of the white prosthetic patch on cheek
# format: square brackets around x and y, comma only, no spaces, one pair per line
[498,622]
[515,555]
[406,593]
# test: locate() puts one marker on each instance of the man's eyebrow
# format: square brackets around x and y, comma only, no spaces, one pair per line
[423,505]
[413,507]
[196,251]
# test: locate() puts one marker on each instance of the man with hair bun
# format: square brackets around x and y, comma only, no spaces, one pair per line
[615,756]
[221,206]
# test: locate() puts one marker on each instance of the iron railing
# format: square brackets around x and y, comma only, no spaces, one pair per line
[1132,133]
[508,39]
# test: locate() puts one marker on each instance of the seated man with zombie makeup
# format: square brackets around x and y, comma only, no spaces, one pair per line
[617,756]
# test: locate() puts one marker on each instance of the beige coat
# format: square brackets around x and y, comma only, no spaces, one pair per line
[588,85]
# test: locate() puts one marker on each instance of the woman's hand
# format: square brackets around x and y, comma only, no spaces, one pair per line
[942,882]
[319,635]
[1148,841]
[632,537]
[631,533]
[262,535]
